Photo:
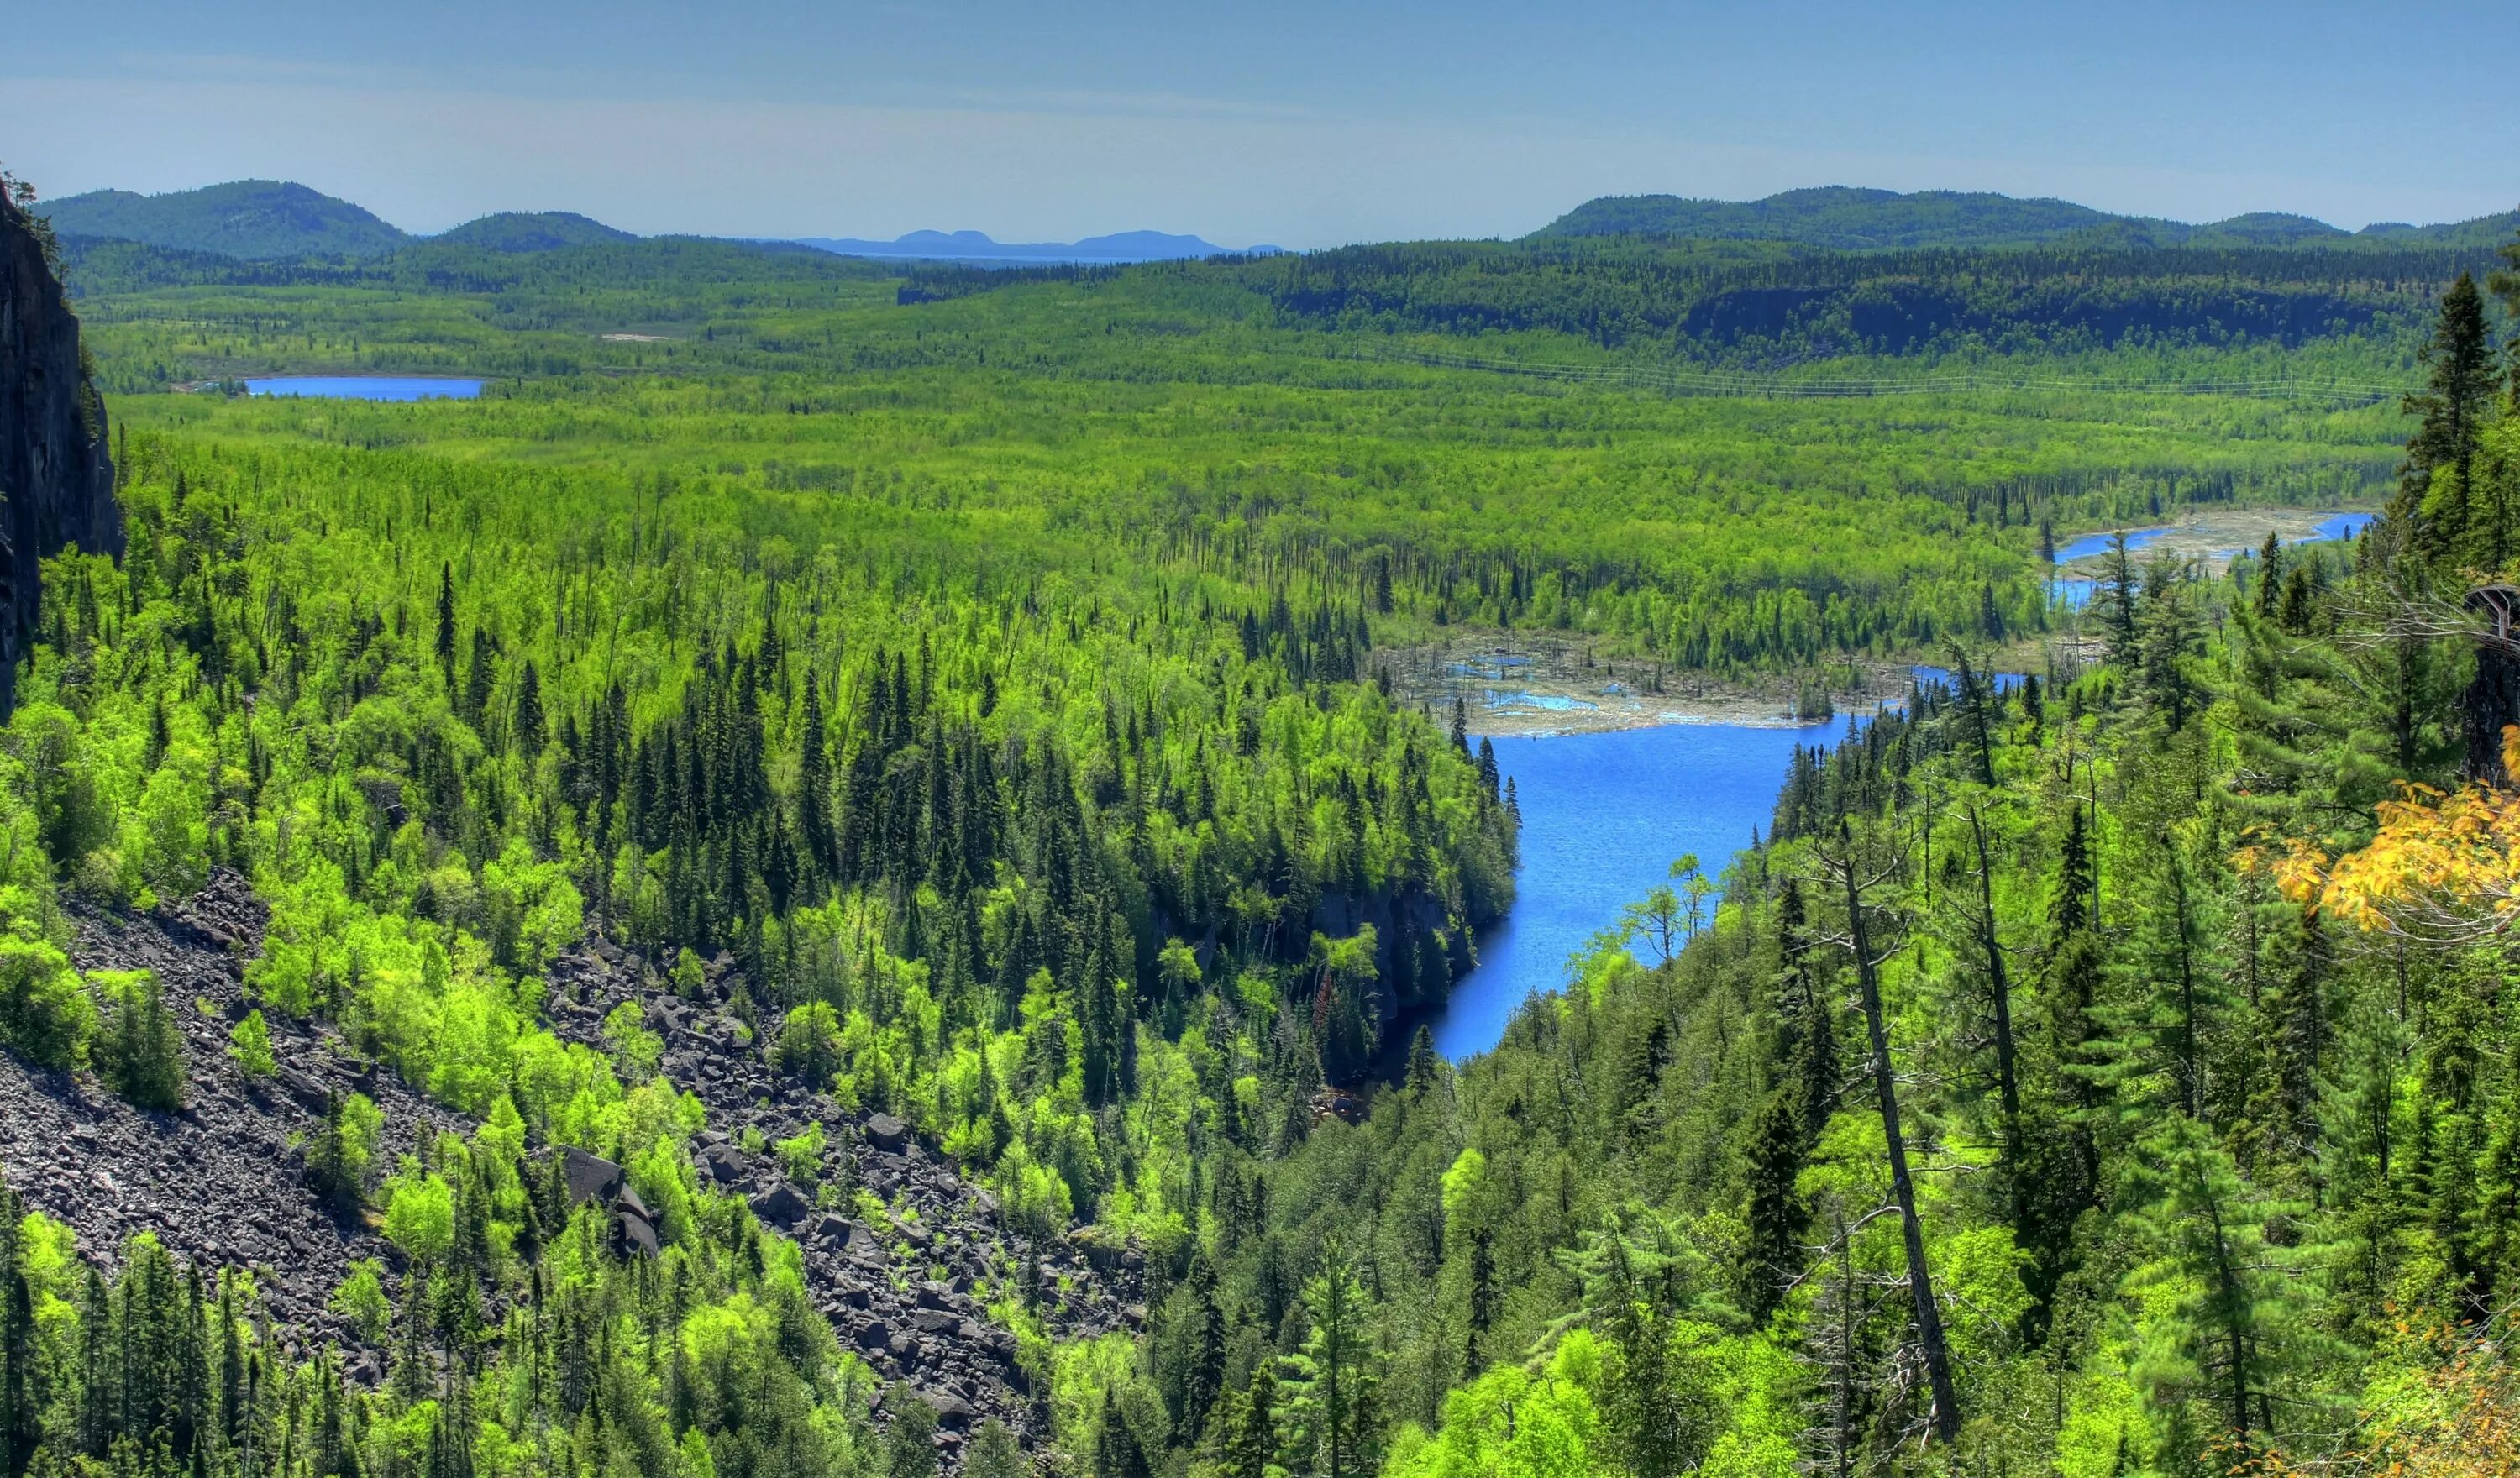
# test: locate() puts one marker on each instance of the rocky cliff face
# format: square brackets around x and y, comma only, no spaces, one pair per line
[56,480]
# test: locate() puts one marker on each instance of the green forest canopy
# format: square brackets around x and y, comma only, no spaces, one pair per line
[992,679]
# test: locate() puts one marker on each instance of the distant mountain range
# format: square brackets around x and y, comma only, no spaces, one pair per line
[974,246]
[1849,219]
[267,220]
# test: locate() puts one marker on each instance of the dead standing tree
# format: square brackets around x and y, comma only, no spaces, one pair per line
[1854,873]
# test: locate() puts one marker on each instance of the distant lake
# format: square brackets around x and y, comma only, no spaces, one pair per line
[366,387]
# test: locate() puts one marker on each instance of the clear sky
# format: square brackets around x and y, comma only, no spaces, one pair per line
[1304,123]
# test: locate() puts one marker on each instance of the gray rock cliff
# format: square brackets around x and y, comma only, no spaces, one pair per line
[56,479]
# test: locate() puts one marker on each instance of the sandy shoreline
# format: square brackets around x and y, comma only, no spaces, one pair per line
[1533,683]
[2214,535]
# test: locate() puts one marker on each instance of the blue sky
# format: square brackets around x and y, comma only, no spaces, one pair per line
[1304,123]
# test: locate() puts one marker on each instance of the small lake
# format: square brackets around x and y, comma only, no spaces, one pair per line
[366,387]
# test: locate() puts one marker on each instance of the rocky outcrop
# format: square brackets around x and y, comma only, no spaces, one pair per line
[910,1290]
[222,1182]
[914,1288]
[56,479]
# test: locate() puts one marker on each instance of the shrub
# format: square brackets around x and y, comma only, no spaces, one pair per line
[361,1299]
[640,1048]
[803,1156]
[249,1043]
[687,975]
[45,1016]
[420,1217]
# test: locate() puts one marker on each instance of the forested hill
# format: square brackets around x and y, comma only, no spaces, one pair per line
[531,231]
[1841,218]
[250,219]
[271,220]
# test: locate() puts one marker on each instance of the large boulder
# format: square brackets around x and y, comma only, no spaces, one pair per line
[780,1205]
[887,1134]
[591,1177]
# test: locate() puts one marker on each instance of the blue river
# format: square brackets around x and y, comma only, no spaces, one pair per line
[1603,817]
[366,387]
[2074,592]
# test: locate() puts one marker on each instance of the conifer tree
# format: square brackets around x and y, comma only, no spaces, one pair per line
[2437,488]
[1250,1447]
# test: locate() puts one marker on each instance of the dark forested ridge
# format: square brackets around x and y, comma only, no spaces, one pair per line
[1849,219]
[829,861]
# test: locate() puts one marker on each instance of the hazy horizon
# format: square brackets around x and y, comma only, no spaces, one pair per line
[1303,126]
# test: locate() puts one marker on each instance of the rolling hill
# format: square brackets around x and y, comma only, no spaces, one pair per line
[257,220]
[532,231]
[1843,219]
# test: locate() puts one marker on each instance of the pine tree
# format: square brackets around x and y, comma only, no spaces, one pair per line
[2234,1293]
[446,625]
[1776,1213]
[2437,487]
[141,1050]
[1117,1452]
[1335,1397]
[529,733]
[20,1420]
[1250,1447]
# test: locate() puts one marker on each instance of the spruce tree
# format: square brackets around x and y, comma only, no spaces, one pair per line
[1250,1447]
[446,625]
[2437,491]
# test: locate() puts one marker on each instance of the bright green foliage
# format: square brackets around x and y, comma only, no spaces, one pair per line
[46,1014]
[420,1216]
[249,1043]
[638,1049]
[362,1300]
[803,1156]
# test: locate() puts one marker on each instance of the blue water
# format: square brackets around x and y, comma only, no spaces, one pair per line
[2090,545]
[366,387]
[1603,817]
[2074,592]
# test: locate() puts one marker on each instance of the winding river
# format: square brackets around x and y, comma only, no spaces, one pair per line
[1605,816]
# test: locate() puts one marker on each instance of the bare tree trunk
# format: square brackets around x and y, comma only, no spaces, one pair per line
[1885,1085]
[1842,1403]
[2007,1079]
